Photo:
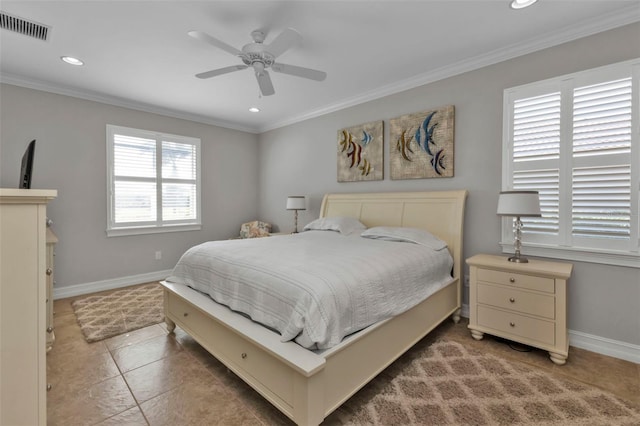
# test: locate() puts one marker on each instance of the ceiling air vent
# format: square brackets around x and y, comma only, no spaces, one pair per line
[24,27]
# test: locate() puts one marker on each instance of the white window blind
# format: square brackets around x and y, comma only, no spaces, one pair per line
[572,139]
[153,181]
[602,185]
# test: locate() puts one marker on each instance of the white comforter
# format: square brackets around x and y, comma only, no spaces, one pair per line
[315,287]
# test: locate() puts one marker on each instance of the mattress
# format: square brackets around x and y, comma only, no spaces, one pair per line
[315,287]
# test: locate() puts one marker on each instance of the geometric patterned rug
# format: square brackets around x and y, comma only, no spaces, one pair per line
[104,316]
[446,383]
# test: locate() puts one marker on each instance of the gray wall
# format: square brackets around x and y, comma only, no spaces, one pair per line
[71,157]
[301,159]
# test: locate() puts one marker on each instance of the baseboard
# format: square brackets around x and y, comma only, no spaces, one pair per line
[597,344]
[80,289]
[604,346]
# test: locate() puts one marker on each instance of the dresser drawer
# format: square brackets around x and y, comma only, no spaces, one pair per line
[517,325]
[538,304]
[517,280]
[243,357]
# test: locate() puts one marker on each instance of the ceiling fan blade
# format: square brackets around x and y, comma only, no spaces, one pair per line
[299,71]
[286,40]
[199,35]
[221,71]
[264,81]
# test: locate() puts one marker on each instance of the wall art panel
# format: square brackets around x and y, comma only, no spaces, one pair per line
[360,152]
[422,144]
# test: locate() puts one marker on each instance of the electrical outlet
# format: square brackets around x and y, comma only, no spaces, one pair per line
[158,255]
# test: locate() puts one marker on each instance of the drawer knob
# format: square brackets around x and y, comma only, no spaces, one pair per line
[512,280]
[49,387]
[243,355]
[49,329]
[512,324]
[49,271]
[186,314]
[512,300]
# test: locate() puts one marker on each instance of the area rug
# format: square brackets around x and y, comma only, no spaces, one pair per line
[103,316]
[446,383]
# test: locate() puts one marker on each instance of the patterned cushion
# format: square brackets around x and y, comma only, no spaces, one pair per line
[255,229]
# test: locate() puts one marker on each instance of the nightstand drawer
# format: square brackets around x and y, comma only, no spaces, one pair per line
[517,325]
[517,300]
[517,280]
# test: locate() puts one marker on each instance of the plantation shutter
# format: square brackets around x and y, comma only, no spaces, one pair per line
[154,181]
[572,139]
[601,175]
[536,150]
[178,181]
[134,160]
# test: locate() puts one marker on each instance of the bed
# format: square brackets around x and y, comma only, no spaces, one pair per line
[308,385]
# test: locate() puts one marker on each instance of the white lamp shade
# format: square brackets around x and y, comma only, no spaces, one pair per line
[519,203]
[296,202]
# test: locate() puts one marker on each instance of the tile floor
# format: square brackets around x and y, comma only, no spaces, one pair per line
[150,377]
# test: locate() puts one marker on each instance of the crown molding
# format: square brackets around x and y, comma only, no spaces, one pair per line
[119,102]
[606,22]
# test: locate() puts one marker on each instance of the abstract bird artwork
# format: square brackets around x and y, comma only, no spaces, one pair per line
[360,155]
[422,144]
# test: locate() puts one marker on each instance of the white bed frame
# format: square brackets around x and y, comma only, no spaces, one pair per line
[305,385]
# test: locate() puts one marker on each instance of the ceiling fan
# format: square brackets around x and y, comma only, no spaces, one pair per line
[260,57]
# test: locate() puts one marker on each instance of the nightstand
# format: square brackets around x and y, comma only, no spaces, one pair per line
[523,302]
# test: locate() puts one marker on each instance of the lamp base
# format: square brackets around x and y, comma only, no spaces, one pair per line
[518,259]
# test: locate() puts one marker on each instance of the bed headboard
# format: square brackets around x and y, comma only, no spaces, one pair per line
[439,212]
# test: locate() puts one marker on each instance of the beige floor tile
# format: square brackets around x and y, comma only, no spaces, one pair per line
[90,405]
[77,372]
[60,320]
[133,337]
[203,400]
[63,306]
[67,332]
[74,347]
[138,354]
[161,376]
[131,417]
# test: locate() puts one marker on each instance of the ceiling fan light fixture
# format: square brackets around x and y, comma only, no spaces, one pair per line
[71,60]
[521,4]
[254,109]
[260,57]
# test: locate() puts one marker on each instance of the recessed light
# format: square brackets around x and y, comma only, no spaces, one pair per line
[521,4]
[71,60]
[254,109]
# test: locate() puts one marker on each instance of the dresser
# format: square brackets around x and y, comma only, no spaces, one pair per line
[23,295]
[523,302]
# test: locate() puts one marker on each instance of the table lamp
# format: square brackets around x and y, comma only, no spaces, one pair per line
[295,203]
[519,204]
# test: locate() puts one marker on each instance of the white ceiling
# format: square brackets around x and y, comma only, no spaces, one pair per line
[138,54]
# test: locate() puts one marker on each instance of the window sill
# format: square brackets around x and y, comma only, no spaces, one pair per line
[628,259]
[119,232]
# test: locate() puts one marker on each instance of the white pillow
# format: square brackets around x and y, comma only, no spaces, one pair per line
[344,225]
[412,235]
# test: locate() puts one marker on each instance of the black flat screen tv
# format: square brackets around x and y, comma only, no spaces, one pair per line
[26,169]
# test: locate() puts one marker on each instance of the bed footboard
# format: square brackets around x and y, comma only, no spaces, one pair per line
[287,375]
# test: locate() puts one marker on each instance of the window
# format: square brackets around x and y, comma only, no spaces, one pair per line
[576,140]
[154,182]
